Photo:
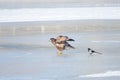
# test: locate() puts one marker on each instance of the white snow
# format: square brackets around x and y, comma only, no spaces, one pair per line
[51,14]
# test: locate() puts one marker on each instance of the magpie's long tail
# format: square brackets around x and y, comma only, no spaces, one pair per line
[98,52]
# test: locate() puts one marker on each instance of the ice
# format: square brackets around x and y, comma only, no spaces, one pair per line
[33,57]
[105,74]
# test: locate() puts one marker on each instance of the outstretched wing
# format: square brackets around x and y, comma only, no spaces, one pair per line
[61,38]
[68,45]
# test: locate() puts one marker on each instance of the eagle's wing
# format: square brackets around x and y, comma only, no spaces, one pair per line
[61,38]
[68,45]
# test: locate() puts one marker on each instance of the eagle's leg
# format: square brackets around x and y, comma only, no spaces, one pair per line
[59,52]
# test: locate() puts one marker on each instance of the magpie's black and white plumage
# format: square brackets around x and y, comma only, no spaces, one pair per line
[91,52]
[61,43]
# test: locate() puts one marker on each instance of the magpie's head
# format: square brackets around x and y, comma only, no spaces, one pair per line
[89,49]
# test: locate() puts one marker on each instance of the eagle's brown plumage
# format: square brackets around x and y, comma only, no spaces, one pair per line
[61,43]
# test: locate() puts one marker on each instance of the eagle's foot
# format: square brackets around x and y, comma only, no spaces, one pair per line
[59,53]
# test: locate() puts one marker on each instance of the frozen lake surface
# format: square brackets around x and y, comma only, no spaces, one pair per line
[33,57]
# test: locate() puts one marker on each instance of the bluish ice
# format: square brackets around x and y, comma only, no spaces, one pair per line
[33,57]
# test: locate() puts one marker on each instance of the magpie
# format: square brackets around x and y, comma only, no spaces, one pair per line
[91,52]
